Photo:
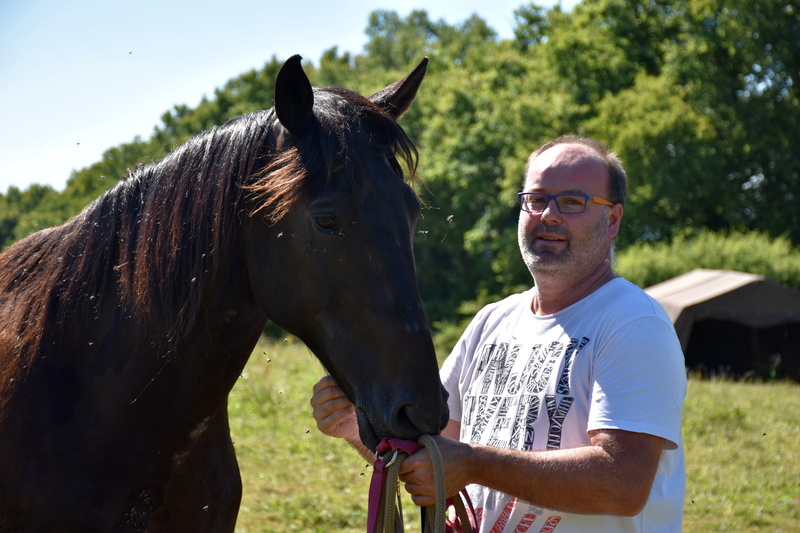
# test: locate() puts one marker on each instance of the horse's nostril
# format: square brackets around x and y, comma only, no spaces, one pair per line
[403,422]
[412,420]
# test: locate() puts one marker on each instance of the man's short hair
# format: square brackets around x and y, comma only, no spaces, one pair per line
[618,179]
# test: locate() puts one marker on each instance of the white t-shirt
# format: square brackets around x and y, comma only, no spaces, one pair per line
[526,382]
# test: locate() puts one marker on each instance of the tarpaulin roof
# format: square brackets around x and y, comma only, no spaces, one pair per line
[747,299]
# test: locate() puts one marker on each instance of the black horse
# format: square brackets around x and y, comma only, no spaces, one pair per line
[123,331]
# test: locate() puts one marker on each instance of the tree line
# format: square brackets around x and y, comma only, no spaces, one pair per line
[698,97]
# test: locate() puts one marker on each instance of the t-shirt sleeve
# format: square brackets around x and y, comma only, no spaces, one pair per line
[640,381]
[450,375]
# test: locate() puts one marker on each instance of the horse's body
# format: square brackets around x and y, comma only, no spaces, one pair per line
[123,331]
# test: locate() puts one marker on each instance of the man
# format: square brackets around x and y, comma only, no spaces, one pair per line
[565,400]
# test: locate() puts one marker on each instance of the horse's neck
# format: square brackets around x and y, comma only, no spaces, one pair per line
[232,319]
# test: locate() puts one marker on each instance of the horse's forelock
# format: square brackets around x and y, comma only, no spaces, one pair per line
[341,118]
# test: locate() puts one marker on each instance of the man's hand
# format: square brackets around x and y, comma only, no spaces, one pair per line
[334,413]
[416,471]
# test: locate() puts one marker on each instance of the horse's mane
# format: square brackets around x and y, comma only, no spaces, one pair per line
[157,240]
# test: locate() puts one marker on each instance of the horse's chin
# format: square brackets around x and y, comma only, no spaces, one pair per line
[369,437]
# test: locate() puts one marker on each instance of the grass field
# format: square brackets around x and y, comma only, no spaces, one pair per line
[742,454]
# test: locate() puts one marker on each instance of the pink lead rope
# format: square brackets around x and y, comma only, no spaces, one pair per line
[377,485]
[381,514]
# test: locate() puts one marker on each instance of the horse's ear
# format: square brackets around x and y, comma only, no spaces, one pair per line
[397,97]
[294,97]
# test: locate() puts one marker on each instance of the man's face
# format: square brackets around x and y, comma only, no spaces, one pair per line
[568,245]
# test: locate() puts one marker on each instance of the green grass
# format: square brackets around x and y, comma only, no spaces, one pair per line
[742,454]
[294,477]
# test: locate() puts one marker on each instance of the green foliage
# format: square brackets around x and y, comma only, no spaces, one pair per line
[646,264]
[24,212]
[697,96]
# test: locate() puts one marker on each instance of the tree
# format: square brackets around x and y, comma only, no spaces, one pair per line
[23,212]
[699,100]
[699,97]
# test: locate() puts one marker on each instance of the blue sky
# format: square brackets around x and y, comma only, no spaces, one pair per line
[80,76]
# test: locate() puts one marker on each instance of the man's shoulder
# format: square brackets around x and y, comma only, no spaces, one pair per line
[628,298]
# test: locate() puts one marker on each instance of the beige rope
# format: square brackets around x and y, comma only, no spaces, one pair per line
[390,516]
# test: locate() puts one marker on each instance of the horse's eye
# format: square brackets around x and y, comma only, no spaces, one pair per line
[326,223]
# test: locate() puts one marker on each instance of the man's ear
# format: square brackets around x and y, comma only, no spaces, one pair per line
[614,220]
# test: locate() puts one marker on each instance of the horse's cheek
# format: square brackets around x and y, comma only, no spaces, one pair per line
[275,268]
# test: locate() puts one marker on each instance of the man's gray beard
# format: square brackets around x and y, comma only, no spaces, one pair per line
[569,264]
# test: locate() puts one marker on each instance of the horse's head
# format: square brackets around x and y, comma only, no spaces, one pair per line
[336,235]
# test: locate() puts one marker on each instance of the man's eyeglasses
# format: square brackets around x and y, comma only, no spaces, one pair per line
[568,204]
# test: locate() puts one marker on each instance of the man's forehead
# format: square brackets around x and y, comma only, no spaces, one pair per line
[566,155]
[566,160]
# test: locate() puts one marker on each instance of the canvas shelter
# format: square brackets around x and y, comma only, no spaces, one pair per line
[733,319]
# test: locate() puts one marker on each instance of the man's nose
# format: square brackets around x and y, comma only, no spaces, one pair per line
[550,210]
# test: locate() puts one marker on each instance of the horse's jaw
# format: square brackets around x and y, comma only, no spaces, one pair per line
[366,432]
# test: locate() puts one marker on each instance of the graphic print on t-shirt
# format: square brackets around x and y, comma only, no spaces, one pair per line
[511,394]
[515,392]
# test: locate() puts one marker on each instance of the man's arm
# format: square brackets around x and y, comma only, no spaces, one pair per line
[613,475]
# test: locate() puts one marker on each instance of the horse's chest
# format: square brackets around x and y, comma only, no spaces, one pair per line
[138,509]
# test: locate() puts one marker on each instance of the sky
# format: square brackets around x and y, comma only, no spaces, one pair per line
[78,77]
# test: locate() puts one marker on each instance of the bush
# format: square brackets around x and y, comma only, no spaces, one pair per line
[646,264]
